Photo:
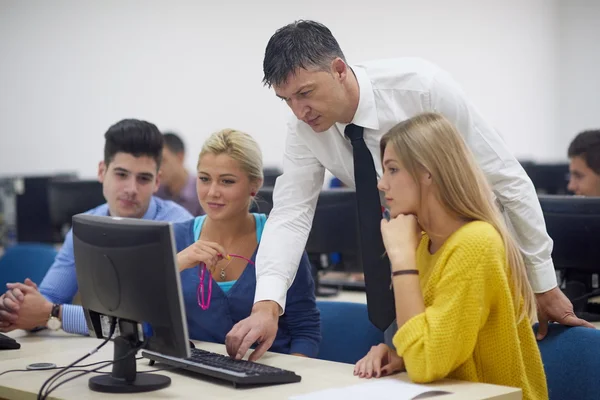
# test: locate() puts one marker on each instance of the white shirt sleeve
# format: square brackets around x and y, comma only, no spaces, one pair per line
[286,231]
[510,183]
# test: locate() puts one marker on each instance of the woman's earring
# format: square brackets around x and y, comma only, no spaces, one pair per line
[252,194]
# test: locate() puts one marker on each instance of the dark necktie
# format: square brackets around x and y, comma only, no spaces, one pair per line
[376,265]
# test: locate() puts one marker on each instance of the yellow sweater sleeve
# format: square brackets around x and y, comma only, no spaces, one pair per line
[437,341]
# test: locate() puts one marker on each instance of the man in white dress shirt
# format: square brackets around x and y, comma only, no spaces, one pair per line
[307,69]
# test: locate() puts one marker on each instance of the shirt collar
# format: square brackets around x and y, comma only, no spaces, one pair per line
[366,112]
[151,211]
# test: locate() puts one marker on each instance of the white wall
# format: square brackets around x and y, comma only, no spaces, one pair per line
[579,69]
[69,69]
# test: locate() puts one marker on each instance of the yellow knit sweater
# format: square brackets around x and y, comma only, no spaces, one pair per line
[469,329]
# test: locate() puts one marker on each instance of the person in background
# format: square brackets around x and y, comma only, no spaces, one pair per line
[584,164]
[129,175]
[216,251]
[177,184]
[464,305]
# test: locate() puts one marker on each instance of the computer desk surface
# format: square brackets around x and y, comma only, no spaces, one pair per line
[61,348]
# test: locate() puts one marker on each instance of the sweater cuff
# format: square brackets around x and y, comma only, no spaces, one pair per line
[409,333]
[304,347]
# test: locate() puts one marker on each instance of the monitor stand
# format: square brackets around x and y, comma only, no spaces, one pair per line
[124,377]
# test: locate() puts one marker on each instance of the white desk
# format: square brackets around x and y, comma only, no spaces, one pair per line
[62,349]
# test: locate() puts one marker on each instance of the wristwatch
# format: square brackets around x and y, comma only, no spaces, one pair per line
[54,322]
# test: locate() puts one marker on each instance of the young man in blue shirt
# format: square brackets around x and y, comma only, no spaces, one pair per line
[129,175]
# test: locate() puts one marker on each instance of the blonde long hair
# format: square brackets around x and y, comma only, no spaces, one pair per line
[431,142]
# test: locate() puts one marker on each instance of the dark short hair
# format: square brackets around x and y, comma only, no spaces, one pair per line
[301,44]
[135,137]
[587,146]
[173,142]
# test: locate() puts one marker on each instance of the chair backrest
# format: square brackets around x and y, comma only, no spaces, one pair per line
[26,260]
[347,333]
[571,357]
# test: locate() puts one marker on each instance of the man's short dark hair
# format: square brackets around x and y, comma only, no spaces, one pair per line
[173,142]
[301,44]
[587,146]
[135,137]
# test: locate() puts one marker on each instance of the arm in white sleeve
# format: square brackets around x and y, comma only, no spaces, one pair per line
[510,183]
[286,231]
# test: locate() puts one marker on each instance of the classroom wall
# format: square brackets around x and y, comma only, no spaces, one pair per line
[579,68]
[69,68]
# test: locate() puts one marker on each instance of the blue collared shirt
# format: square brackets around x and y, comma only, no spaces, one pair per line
[60,283]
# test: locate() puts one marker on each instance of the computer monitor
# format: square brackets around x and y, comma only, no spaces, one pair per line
[263,202]
[573,223]
[126,269]
[335,224]
[549,178]
[270,175]
[333,242]
[68,198]
[32,208]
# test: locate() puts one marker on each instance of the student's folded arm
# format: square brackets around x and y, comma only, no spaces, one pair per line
[286,231]
[302,315]
[437,341]
[59,286]
[60,283]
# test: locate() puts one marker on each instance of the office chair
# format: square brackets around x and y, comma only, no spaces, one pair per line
[26,260]
[347,333]
[571,357]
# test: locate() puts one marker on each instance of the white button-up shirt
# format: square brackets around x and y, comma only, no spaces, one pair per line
[392,91]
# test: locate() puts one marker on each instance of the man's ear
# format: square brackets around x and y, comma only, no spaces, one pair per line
[181,157]
[102,168]
[339,69]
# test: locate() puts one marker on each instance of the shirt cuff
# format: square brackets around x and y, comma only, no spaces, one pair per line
[542,276]
[304,347]
[73,319]
[271,288]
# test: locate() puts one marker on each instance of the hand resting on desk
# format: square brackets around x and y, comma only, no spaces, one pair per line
[380,361]
[23,307]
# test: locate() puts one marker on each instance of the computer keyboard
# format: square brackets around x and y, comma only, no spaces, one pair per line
[238,372]
[8,343]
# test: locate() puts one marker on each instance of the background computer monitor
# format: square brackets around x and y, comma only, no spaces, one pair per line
[270,175]
[31,207]
[68,198]
[573,223]
[548,178]
[333,240]
[112,255]
[263,202]
[333,243]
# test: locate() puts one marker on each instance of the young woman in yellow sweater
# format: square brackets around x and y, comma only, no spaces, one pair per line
[464,305]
